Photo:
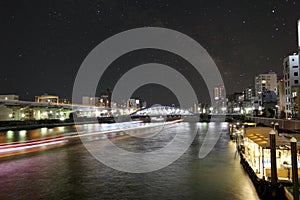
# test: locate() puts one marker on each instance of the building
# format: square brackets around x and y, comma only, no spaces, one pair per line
[105,100]
[90,101]
[269,102]
[219,101]
[247,105]
[266,81]
[281,98]
[133,104]
[234,103]
[298,35]
[9,97]
[291,81]
[249,93]
[298,89]
[45,98]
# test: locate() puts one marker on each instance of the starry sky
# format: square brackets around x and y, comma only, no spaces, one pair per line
[43,43]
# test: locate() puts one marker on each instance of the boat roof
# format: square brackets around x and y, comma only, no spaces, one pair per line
[261,135]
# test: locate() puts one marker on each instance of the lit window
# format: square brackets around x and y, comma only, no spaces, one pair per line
[294,94]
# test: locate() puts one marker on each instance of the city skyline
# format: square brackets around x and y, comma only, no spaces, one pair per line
[150,99]
[44,44]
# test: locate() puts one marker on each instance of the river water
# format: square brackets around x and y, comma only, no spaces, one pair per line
[71,172]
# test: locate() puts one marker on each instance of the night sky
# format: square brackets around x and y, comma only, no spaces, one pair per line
[43,43]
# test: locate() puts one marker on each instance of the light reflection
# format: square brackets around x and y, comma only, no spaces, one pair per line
[30,145]
[61,128]
[9,136]
[22,135]
[44,131]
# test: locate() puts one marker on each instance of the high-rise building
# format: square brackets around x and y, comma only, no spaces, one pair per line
[291,81]
[298,35]
[266,81]
[298,88]
[281,98]
[219,102]
[249,93]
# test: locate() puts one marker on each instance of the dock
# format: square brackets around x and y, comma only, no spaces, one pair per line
[253,144]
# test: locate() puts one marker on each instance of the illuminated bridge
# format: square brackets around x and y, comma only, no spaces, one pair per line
[162,111]
[171,113]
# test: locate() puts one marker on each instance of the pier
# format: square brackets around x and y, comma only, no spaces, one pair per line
[272,173]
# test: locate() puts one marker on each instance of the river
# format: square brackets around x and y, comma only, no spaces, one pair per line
[71,172]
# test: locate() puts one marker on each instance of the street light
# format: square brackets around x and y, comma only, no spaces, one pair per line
[223,109]
[276,111]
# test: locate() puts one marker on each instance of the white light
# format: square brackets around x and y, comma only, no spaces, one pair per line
[259,108]
[22,133]
[236,109]
[10,135]
[44,130]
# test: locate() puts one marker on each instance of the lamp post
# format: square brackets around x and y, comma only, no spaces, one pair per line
[273,157]
[295,168]
[276,111]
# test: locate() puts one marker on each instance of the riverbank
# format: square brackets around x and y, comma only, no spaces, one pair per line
[264,188]
[284,124]
[33,124]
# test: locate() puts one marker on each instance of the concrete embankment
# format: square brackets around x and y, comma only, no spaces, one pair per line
[264,188]
[284,124]
[32,124]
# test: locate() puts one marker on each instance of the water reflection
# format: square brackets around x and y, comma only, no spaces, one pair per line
[22,135]
[9,136]
[72,173]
